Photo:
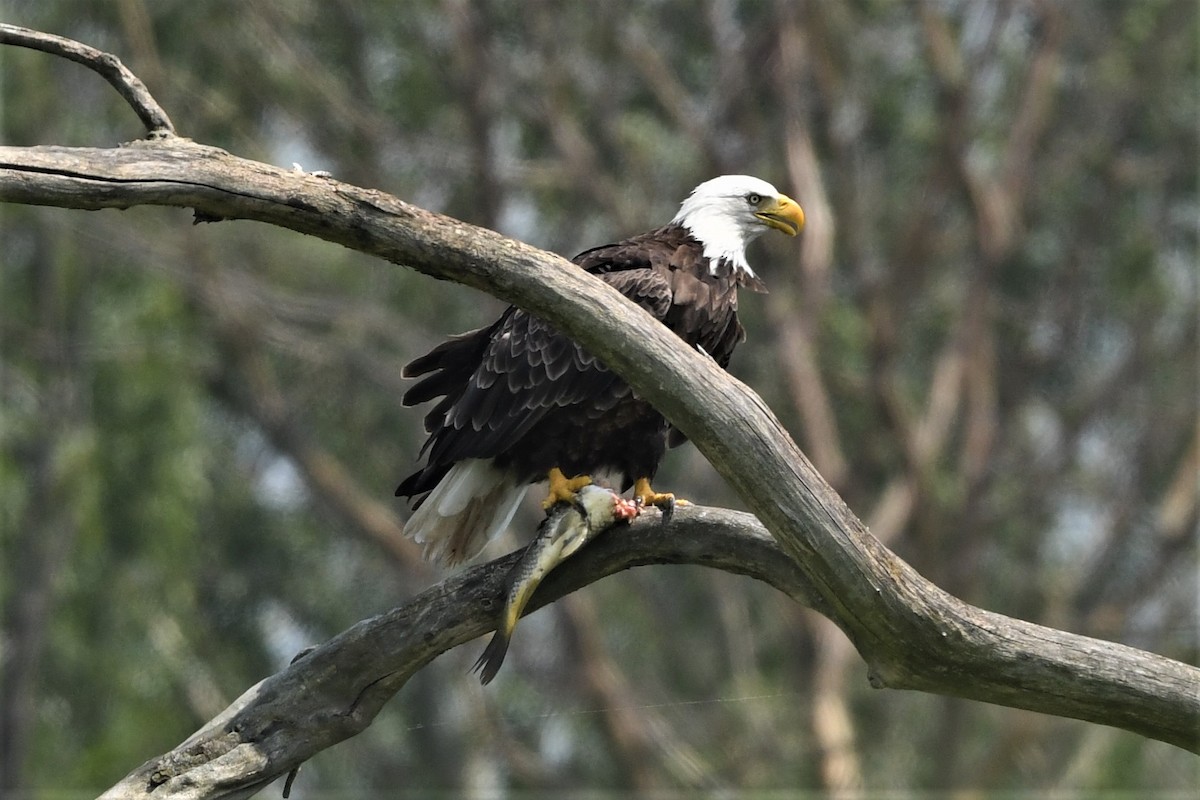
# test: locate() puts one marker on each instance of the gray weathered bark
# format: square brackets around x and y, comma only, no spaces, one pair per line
[336,690]
[911,634]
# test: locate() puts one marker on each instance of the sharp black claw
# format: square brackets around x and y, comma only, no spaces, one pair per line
[668,511]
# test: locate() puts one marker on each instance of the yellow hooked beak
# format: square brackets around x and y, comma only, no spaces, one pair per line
[783,214]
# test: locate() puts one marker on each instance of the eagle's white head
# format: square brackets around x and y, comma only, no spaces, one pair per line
[727,213]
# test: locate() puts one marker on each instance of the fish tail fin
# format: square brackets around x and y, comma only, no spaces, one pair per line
[492,657]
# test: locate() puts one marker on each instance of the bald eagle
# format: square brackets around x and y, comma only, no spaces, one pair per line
[520,402]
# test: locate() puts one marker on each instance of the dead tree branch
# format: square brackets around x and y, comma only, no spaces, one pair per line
[912,634]
[108,66]
[336,690]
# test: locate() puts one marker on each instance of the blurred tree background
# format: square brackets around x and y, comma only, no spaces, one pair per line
[986,340]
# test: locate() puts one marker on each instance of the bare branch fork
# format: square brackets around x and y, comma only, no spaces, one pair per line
[911,634]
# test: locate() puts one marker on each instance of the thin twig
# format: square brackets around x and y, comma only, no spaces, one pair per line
[108,66]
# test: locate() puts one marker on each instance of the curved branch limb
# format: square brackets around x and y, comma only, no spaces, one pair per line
[911,633]
[336,690]
[104,64]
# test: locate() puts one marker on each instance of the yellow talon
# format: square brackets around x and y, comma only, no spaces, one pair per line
[646,496]
[562,488]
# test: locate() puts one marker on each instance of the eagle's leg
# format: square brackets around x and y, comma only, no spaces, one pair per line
[562,488]
[646,496]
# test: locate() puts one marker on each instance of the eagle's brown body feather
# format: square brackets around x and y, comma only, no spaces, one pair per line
[518,402]
[524,395]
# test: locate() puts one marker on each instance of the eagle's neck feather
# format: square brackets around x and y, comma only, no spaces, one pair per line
[722,234]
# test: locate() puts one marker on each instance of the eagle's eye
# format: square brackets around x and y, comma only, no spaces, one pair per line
[754,198]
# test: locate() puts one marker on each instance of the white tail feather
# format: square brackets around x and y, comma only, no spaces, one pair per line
[468,507]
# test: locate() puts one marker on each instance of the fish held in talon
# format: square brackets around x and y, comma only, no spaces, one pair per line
[517,402]
[567,527]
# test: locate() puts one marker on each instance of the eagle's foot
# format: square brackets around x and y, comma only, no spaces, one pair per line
[562,488]
[666,502]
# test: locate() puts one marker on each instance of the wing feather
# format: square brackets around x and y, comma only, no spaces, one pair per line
[495,384]
[527,368]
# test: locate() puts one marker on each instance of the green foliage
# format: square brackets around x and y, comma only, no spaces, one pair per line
[180,552]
